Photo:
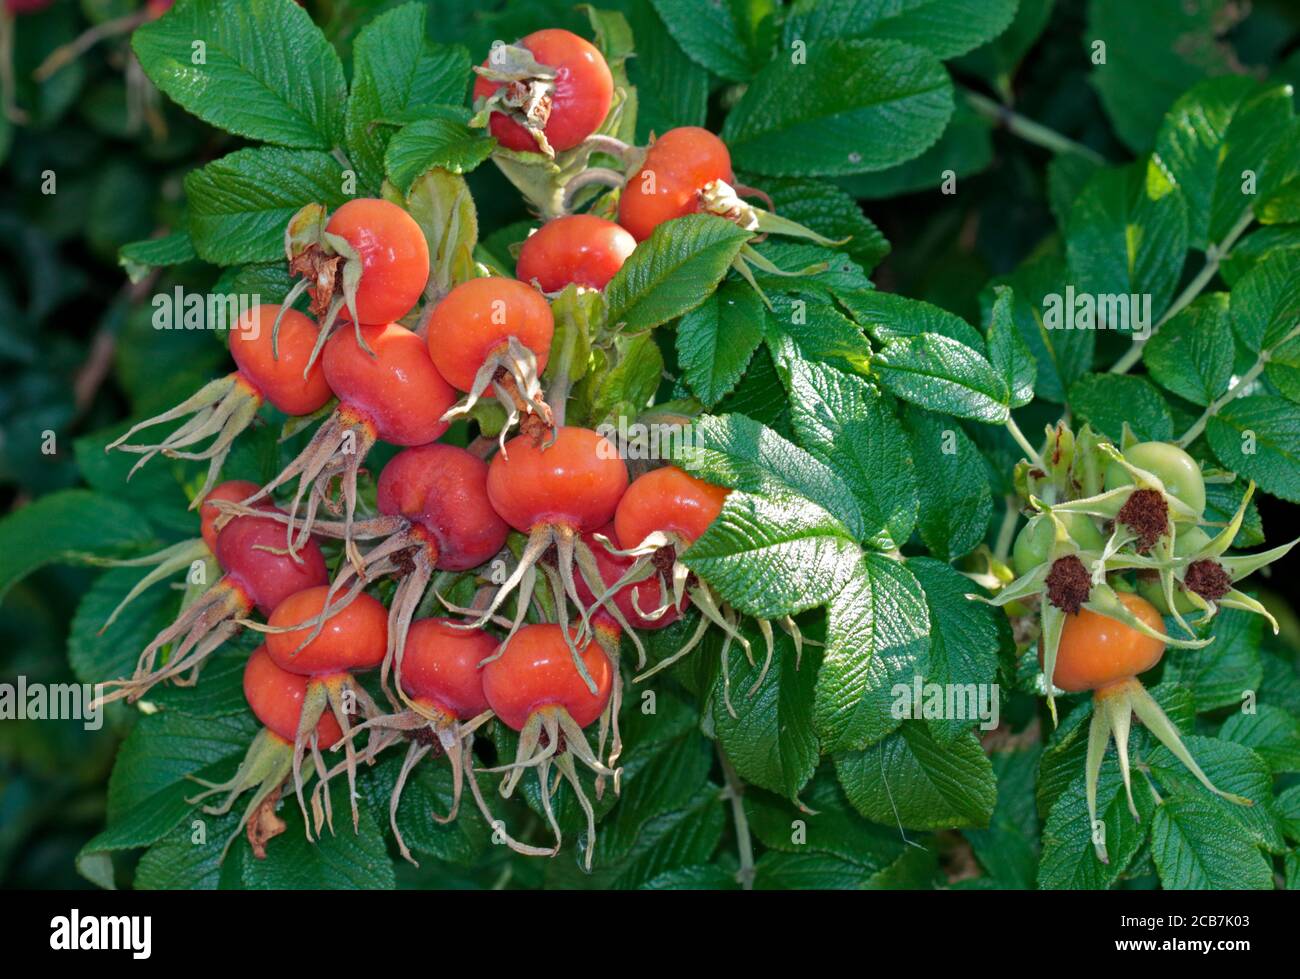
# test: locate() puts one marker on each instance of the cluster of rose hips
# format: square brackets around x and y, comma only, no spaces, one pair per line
[1118,538]
[608,550]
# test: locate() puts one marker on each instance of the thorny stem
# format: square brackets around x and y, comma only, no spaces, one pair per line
[1237,387]
[1030,452]
[1030,131]
[735,791]
[1214,256]
[1007,532]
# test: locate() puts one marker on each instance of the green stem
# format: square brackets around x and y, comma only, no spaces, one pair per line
[1030,131]
[1237,387]
[1214,256]
[1030,452]
[1007,532]
[735,791]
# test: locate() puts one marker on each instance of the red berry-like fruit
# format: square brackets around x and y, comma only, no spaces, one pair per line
[443,488]
[276,697]
[250,551]
[353,638]
[275,368]
[394,257]
[671,501]
[441,667]
[634,601]
[676,168]
[232,490]
[477,318]
[536,671]
[582,91]
[581,249]
[576,482]
[397,390]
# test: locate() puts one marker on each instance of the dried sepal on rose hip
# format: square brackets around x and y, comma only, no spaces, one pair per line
[369,260]
[534,688]
[545,94]
[276,698]
[495,333]
[222,409]
[1197,575]
[442,687]
[393,393]
[353,639]
[660,516]
[1100,654]
[688,171]
[257,574]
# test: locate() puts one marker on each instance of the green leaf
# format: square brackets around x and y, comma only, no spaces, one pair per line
[1259,437]
[965,149]
[856,106]
[444,209]
[671,89]
[955,501]
[1008,848]
[964,641]
[1266,300]
[355,861]
[1213,133]
[877,636]
[945,27]
[830,212]
[773,555]
[889,316]
[1126,238]
[918,782]
[240,204]
[823,822]
[1218,673]
[139,257]
[445,143]
[709,34]
[847,424]
[943,375]
[163,749]
[1154,52]
[1192,354]
[771,741]
[428,791]
[1232,768]
[1068,859]
[673,271]
[257,68]
[1062,356]
[1271,733]
[95,657]
[397,73]
[1008,353]
[716,340]
[61,525]
[1195,847]
[1107,401]
[997,61]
